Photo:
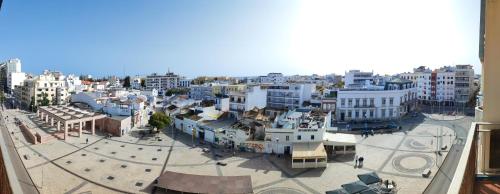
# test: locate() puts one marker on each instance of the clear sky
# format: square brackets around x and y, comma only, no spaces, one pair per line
[238,37]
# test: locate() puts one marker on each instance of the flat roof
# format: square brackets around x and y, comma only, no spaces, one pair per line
[204,184]
[308,150]
[339,139]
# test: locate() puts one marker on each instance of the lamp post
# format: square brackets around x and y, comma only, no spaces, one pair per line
[193,131]
[277,144]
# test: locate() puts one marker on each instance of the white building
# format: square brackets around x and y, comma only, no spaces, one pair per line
[73,84]
[114,81]
[464,83]
[422,78]
[135,83]
[246,99]
[184,83]
[357,79]
[447,84]
[162,82]
[201,92]
[6,69]
[300,133]
[15,79]
[281,97]
[49,85]
[394,100]
[273,78]
[134,105]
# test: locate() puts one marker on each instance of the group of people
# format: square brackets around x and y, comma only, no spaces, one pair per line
[367,133]
[358,161]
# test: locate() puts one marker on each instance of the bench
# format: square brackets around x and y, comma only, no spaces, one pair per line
[426,173]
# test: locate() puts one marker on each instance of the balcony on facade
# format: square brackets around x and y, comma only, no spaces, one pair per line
[478,170]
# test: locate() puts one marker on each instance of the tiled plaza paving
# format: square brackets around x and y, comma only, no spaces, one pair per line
[130,164]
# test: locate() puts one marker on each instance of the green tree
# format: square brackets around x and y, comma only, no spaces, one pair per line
[180,91]
[45,100]
[159,120]
[143,83]
[33,106]
[126,82]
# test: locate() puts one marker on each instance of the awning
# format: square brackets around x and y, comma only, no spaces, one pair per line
[369,178]
[308,150]
[204,183]
[355,187]
[337,191]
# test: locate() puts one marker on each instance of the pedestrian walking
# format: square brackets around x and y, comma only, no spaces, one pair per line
[356,161]
[87,141]
[361,159]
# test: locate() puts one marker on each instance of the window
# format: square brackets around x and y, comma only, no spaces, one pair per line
[312,137]
[311,160]
[298,160]
[342,101]
[287,138]
[357,102]
[349,102]
[383,113]
[338,148]
[364,101]
[383,101]
[357,114]
[349,114]
[391,101]
[299,137]
[371,113]
[390,112]
[372,101]
[364,113]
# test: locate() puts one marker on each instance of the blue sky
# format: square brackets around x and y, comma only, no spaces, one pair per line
[236,37]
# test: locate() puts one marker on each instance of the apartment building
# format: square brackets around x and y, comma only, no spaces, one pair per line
[135,83]
[357,78]
[464,83]
[162,83]
[443,85]
[201,92]
[448,85]
[246,97]
[219,89]
[10,74]
[49,84]
[273,78]
[282,97]
[388,102]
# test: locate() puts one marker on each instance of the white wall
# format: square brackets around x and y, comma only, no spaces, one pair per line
[378,108]
[15,79]
[256,97]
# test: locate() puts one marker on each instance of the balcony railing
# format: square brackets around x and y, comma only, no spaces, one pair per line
[479,161]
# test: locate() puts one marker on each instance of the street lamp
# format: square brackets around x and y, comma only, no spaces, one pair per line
[193,131]
[277,144]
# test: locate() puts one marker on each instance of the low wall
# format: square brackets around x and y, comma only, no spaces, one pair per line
[29,134]
[4,180]
[44,138]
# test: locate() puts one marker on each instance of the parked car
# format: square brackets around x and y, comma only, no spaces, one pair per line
[392,126]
